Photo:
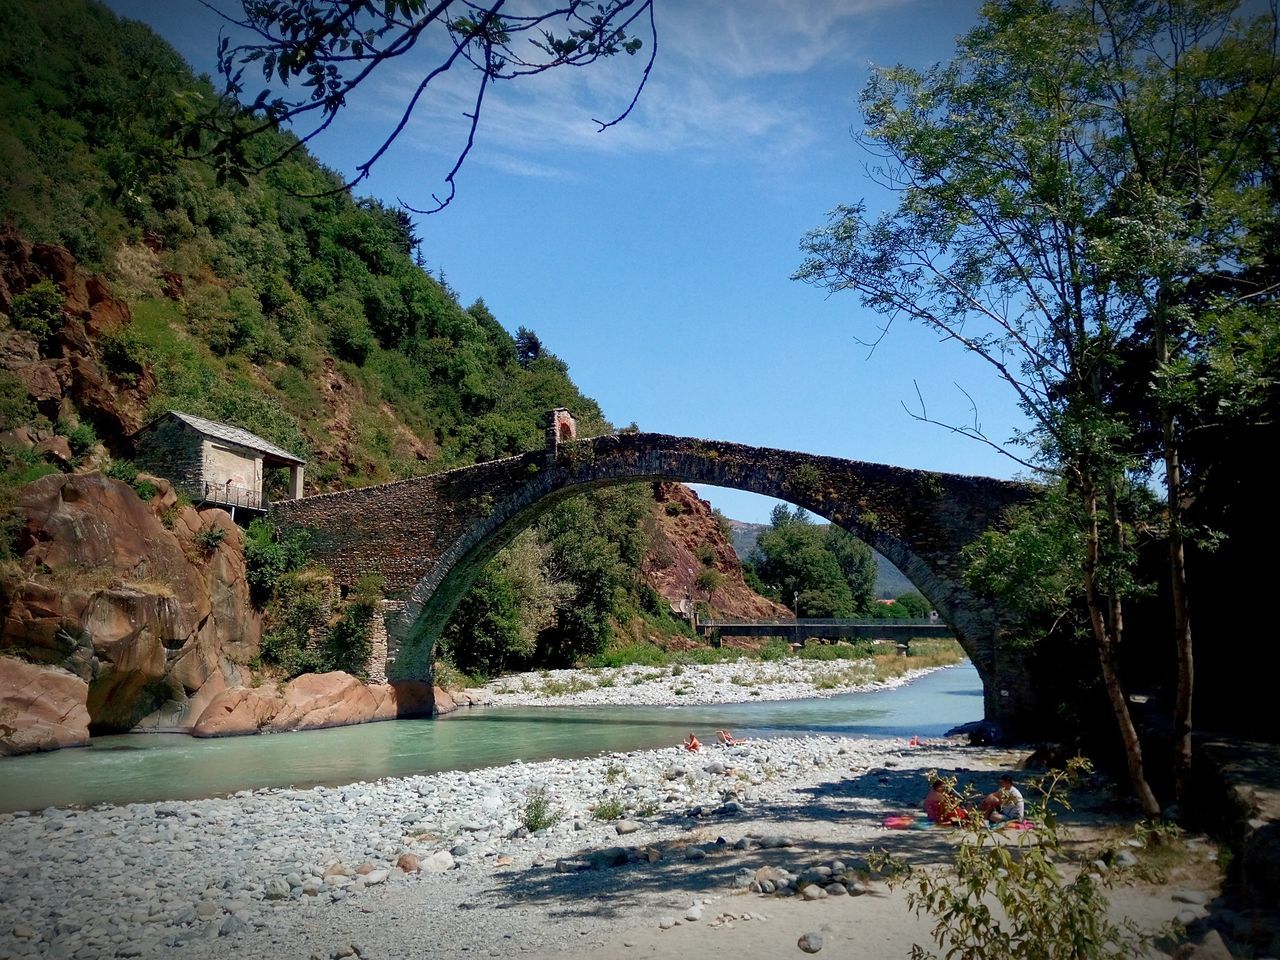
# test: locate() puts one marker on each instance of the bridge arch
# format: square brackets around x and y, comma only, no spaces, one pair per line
[431,537]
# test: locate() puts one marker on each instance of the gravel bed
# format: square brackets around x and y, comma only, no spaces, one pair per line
[740,682]
[442,865]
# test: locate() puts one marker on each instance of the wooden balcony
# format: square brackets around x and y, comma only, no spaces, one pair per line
[234,497]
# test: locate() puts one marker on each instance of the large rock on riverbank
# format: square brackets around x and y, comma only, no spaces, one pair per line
[314,701]
[41,708]
[145,602]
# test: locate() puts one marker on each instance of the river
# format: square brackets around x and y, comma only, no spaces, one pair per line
[135,768]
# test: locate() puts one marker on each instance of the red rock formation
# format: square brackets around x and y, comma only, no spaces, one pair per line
[314,701]
[690,533]
[70,365]
[41,708]
[141,613]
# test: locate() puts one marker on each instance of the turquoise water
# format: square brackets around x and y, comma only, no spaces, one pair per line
[142,768]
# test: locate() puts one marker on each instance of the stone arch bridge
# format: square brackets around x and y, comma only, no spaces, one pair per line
[430,537]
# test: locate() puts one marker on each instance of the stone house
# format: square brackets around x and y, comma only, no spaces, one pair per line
[213,463]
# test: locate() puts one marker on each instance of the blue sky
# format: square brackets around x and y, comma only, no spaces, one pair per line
[654,258]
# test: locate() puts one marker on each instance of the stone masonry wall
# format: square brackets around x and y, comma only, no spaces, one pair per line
[429,537]
[172,450]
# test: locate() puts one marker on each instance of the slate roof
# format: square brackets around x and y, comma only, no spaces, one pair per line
[236,435]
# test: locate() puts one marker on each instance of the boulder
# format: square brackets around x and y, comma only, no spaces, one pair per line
[145,614]
[88,524]
[42,623]
[183,709]
[316,700]
[238,711]
[19,438]
[41,708]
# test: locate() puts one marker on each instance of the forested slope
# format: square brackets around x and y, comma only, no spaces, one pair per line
[309,319]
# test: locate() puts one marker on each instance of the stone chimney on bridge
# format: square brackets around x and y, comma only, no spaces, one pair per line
[560,427]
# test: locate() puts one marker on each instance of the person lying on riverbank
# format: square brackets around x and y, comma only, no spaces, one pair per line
[941,805]
[728,739]
[692,743]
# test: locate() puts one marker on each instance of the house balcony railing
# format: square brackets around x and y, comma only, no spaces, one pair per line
[230,495]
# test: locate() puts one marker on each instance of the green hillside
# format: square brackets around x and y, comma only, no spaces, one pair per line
[303,318]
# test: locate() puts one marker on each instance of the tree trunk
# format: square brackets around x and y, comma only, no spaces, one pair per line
[1107,632]
[1177,579]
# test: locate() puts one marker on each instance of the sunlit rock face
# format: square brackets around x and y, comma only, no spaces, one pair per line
[41,708]
[121,594]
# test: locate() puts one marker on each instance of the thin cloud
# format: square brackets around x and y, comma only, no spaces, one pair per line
[721,84]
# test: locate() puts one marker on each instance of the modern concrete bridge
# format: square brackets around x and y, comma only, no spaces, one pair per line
[823,629]
[430,537]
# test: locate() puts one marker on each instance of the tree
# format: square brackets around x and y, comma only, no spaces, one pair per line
[916,606]
[528,347]
[329,50]
[709,580]
[1083,194]
[796,562]
[857,563]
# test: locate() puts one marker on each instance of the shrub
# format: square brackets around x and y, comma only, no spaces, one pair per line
[1046,912]
[122,355]
[269,556]
[775,649]
[835,651]
[81,438]
[209,538]
[38,310]
[448,677]
[16,408]
[298,616]
[674,509]
[611,808]
[347,645]
[538,813]
[125,472]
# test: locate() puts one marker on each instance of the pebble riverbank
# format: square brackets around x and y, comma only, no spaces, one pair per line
[742,681]
[443,865]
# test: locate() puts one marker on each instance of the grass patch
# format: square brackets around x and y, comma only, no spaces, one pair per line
[559,688]
[611,808]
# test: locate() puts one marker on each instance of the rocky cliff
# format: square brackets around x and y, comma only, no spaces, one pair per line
[63,367]
[693,541]
[121,613]
[130,615]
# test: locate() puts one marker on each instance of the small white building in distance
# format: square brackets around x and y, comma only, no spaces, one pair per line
[213,463]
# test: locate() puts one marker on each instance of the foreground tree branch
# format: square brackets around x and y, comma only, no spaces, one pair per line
[312,55]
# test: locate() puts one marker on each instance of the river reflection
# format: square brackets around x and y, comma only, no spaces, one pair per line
[148,767]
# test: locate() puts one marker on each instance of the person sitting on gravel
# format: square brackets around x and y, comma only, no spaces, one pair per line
[1005,804]
[728,739]
[941,805]
[692,743]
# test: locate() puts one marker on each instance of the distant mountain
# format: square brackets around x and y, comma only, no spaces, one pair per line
[744,536]
[890,581]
